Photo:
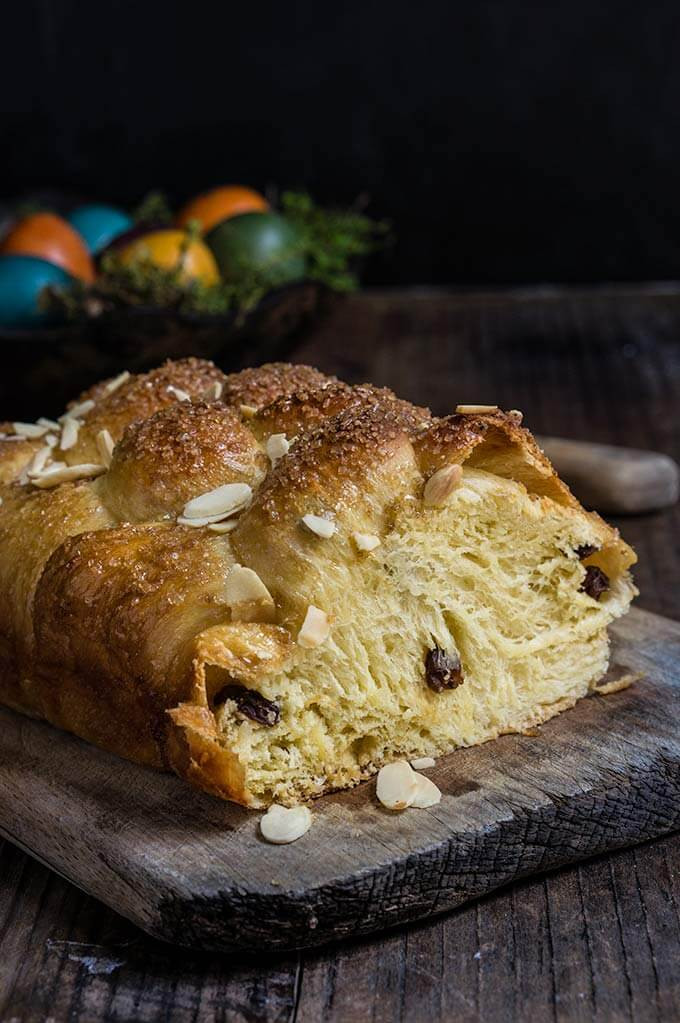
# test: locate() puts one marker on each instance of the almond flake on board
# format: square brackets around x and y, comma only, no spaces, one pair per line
[397,785]
[427,793]
[282,824]
[422,763]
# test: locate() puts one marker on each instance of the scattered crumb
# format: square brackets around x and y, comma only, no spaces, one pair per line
[617,684]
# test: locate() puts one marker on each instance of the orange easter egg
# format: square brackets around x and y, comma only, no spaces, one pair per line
[49,237]
[213,207]
[168,248]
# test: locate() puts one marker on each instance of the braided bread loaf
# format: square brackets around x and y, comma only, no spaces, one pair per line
[273,583]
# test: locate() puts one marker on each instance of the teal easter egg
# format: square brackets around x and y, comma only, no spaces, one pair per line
[22,278]
[99,225]
[257,241]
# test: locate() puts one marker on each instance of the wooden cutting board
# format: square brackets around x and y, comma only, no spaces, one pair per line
[192,870]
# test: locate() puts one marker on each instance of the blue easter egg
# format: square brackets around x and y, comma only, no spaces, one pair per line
[99,225]
[22,278]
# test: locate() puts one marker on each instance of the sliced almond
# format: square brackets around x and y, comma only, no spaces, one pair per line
[247,596]
[105,447]
[52,476]
[114,384]
[397,785]
[178,393]
[69,433]
[29,429]
[317,524]
[76,411]
[52,440]
[214,391]
[282,825]
[471,409]
[277,446]
[248,411]
[222,527]
[51,424]
[422,763]
[219,503]
[315,628]
[427,793]
[441,485]
[366,541]
[205,520]
[39,461]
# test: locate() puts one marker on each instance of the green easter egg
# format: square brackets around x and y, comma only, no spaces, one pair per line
[257,242]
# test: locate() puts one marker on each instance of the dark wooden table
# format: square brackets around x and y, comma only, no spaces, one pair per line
[599,941]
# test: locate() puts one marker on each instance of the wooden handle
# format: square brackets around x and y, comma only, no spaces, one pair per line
[619,481]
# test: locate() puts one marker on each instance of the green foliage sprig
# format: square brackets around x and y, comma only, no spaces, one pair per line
[153,209]
[333,241]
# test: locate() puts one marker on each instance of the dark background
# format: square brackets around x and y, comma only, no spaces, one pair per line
[508,142]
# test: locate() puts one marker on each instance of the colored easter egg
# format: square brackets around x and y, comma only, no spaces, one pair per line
[98,225]
[167,248]
[22,279]
[257,241]
[210,208]
[47,236]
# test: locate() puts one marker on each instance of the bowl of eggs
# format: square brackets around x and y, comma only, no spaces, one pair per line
[88,289]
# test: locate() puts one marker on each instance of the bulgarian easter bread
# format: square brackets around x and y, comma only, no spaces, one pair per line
[273,583]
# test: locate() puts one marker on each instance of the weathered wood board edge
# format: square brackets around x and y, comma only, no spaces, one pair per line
[435,881]
[627,808]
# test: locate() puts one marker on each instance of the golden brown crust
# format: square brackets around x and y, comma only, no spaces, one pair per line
[136,399]
[120,633]
[195,748]
[117,613]
[176,454]
[307,408]
[261,385]
[330,462]
[15,453]
[494,441]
